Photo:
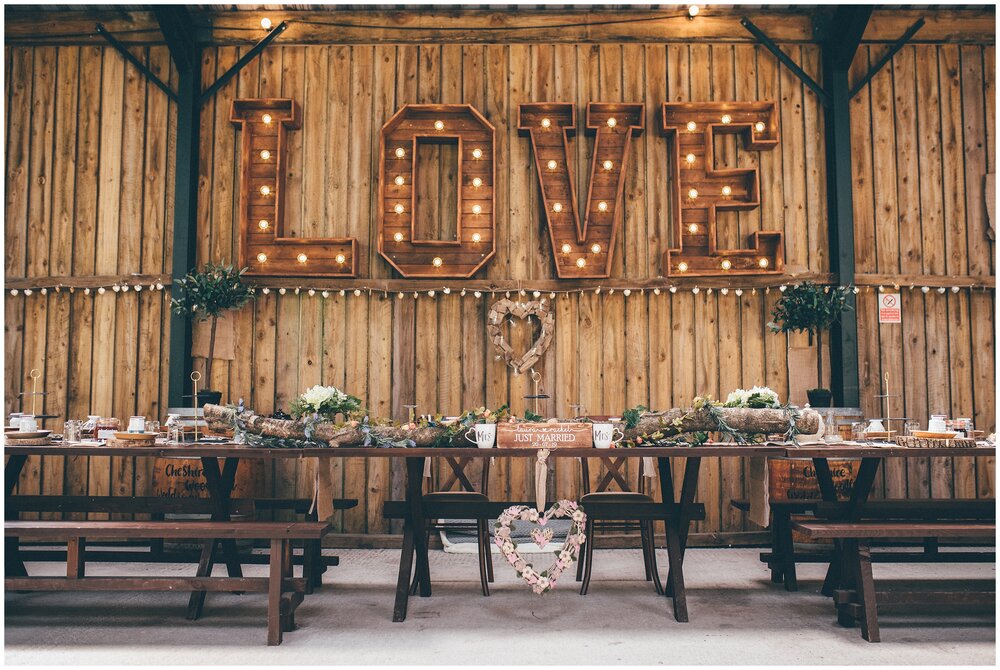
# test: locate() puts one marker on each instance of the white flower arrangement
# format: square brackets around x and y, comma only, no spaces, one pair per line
[325,401]
[759,397]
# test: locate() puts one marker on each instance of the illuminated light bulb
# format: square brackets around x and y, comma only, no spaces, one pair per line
[691,126]
[581,262]
[596,248]
[477,182]
[341,258]
[437,262]
[265,190]
[265,154]
[656,291]
[552,165]
[602,206]
[557,207]
[608,165]
[477,153]
[693,193]
[682,266]
[693,228]
[566,248]
[546,123]
[265,23]
[399,209]
[439,125]
[759,126]
[727,191]
[693,11]
[400,180]
[726,118]
[398,237]
[763,262]
[690,158]
[400,152]
[261,258]
[476,209]
[266,119]
[263,224]
[726,264]
[612,122]
[302,258]
[476,237]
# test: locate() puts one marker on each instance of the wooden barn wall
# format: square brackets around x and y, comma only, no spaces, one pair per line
[923,139]
[88,159]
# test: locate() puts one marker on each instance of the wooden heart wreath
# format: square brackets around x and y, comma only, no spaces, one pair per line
[500,310]
[543,580]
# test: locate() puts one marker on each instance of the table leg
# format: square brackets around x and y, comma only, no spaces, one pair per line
[414,496]
[405,570]
[677,526]
[13,565]
[220,489]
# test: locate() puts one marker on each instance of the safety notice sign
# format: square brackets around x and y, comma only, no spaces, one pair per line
[890,308]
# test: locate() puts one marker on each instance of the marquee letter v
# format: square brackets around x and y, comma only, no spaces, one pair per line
[582,252]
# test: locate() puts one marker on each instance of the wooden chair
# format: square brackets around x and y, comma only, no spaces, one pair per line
[623,495]
[467,494]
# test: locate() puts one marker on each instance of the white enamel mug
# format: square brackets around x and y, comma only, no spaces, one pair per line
[28,424]
[604,435]
[137,424]
[485,435]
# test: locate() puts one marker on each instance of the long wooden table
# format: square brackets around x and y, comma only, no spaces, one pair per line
[675,510]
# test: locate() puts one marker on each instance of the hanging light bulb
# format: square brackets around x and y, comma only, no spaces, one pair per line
[726,119]
[439,125]
[357,292]
[656,291]
[693,11]
[602,206]
[311,292]
[398,237]
[325,294]
[265,23]
[266,119]
[437,262]
[263,224]
[400,180]
[595,248]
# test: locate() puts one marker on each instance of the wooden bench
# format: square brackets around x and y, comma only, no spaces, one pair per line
[782,558]
[284,591]
[861,602]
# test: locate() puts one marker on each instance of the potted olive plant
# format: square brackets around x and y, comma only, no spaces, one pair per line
[812,309]
[206,295]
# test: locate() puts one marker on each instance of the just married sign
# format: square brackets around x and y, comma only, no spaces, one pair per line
[543,435]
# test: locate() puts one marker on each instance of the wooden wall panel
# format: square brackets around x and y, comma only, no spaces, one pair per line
[89,154]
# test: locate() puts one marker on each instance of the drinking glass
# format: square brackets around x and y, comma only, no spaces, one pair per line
[858,431]
[71,431]
[153,427]
[910,426]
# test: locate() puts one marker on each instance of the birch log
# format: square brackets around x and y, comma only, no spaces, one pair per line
[743,420]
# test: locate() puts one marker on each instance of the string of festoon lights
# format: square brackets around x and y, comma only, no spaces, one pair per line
[492,292]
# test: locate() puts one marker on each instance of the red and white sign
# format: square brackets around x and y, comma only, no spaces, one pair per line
[890,308]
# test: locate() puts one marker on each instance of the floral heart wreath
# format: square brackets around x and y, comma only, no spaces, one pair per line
[545,580]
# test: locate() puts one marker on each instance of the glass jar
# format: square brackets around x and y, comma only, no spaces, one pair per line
[88,431]
[72,430]
[173,427]
[107,427]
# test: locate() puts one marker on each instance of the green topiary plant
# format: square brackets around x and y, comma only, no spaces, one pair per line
[813,309]
[207,295]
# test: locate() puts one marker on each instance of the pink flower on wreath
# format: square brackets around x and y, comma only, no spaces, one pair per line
[543,583]
[579,516]
[532,515]
[519,564]
[502,532]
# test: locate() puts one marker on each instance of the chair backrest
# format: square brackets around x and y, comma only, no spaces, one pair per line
[612,474]
[458,475]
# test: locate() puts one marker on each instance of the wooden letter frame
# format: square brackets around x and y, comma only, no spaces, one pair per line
[282,251]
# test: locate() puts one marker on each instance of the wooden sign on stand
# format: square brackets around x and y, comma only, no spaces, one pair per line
[543,435]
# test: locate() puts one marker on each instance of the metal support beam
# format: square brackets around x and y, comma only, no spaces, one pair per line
[139,65]
[849,23]
[242,62]
[785,60]
[175,24]
[185,222]
[896,46]
[844,377]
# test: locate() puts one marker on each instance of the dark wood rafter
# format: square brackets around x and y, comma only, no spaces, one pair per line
[700,190]
[136,63]
[474,243]
[265,246]
[585,251]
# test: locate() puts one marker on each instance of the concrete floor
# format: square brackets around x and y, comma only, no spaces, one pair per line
[737,618]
